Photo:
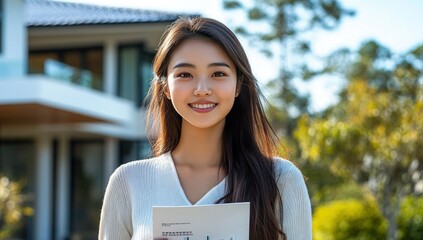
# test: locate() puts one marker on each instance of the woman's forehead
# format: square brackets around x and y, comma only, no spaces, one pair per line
[199,51]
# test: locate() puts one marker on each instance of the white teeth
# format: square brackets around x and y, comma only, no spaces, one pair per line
[203,106]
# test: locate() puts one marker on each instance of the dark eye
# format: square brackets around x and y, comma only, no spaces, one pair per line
[184,75]
[219,74]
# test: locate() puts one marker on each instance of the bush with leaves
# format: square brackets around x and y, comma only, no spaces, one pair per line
[356,219]
[410,220]
[12,206]
[348,219]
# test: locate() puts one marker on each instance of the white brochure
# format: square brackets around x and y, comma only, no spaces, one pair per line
[228,221]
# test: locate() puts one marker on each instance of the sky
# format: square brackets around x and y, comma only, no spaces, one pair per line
[394,23]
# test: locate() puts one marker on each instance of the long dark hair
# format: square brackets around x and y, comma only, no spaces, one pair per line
[249,143]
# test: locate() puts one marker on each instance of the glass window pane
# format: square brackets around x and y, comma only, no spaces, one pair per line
[37,61]
[134,150]
[128,61]
[72,61]
[146,74]
[144,149]
[94,64]
[127,151]
[87,188]
[72,58]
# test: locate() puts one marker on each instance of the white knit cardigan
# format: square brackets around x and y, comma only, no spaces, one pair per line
[134,188]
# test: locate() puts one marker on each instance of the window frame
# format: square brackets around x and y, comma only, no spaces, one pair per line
[143,54]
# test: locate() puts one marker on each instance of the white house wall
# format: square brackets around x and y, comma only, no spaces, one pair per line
[68,97]
[14,49]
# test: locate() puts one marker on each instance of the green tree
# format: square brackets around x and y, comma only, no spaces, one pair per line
[278,27]
[374,132]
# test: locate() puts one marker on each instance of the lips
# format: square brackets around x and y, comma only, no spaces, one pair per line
[203,107]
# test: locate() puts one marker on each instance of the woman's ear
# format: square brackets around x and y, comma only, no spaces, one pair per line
[238,87]
[165,87]
[166,92]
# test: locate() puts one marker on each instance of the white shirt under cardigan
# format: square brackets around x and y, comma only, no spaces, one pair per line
[134,188]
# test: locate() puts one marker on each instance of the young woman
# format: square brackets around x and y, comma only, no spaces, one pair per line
[212,143]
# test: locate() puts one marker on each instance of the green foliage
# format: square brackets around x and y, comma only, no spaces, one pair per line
[12,207]
[372,125]
[356,219]
[276,28]
[286,18]
[232,4]
[374,133]
[348,220]
[410,220]
[256,14]
[345,189]
[368,124]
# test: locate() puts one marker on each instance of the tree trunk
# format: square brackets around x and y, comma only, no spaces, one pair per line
[391,204]
[392,227]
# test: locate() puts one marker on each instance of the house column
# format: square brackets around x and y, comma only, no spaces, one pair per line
[110,62]
[111,158]
[44,205]
[63,188]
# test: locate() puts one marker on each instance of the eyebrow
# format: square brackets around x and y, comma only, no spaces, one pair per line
[216,64]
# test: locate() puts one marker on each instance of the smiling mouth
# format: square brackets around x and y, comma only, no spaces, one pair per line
[203,106]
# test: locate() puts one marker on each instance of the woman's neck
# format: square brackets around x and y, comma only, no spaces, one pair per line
[199,147]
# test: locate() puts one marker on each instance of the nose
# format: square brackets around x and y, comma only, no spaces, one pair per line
[202,88]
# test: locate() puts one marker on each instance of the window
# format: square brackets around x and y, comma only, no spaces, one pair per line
[81,66]
[17,163]
[135,73]
[133,150]
[86,187]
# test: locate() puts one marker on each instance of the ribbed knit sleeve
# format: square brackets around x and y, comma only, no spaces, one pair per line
[295,200]
[115,220]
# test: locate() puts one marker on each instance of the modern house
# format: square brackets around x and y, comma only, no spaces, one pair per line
[72,81]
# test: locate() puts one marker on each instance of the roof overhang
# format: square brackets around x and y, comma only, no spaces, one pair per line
[41,100]
[37,113]
[91,35]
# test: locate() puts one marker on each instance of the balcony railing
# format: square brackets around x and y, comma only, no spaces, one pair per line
[67,73]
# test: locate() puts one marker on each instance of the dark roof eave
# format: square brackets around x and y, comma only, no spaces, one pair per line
[43,13]
[97,24]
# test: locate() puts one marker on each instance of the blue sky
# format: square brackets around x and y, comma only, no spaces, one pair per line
[394,23]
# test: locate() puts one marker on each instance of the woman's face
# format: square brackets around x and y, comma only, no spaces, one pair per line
[202,82]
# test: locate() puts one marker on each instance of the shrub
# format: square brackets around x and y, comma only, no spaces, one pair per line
[410,220]
[348,219]
[12,207]
[361,219]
